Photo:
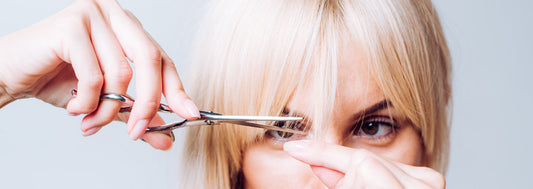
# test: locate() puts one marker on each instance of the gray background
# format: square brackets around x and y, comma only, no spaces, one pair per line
[491,43]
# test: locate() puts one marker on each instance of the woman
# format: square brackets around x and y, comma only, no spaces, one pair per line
[370,77]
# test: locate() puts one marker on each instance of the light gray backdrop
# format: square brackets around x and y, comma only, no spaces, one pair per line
[491,43]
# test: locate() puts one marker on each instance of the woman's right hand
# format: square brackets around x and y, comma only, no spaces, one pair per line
[87,47]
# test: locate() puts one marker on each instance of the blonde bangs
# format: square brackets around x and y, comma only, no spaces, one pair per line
[250,65]
[409,58]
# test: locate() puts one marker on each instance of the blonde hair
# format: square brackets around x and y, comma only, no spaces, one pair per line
[252,55]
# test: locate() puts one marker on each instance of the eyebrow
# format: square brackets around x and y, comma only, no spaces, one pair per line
[384,104]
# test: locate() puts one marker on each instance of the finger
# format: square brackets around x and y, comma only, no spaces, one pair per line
[416,177]
[173,89]
[162,141]
[174,92]
[116,71]
[320,154]
[366,165]
[370,173]
[91,131]
[87,70]
[147,63]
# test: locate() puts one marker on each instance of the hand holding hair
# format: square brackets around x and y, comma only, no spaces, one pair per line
[343,167]
[86,47]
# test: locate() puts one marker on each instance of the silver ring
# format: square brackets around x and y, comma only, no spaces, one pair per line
[113,97]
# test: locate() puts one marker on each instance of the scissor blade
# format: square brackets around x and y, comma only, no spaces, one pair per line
[268,127]
[249,118]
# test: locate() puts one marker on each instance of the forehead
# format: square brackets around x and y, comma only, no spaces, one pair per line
[356,87]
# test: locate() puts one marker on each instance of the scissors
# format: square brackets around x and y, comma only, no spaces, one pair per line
[206,117]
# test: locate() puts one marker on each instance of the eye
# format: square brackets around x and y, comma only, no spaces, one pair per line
[376,127]
[280,135]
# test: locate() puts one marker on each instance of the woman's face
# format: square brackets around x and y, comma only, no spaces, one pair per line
[361,119]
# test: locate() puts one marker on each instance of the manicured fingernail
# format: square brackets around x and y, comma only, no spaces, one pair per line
[139,129]
[296,147]
[191,108]
[91,131]
[73,114]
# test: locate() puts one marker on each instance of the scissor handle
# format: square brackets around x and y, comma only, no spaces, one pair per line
[127,100]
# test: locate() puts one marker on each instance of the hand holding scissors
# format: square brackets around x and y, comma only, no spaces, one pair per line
[206,117]
[91,46]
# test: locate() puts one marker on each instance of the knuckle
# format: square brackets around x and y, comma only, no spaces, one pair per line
[436,179]
[167,62]
[128,12]
[153,55]
[114,3]
[94,82]
[368,164]
[361,155]
[149,107]
[125,75]
[122,75]
[130,15]
[88,4]
[431,177]
[364,161]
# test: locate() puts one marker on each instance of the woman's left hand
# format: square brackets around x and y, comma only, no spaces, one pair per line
[342,167]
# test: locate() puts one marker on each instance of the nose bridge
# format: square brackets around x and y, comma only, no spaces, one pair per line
[331,130]
[332,137]
[332,134]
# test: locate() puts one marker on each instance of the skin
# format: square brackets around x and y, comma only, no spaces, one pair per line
[86,47]
[342,159]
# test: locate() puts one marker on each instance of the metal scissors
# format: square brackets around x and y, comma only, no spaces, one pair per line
[206,117]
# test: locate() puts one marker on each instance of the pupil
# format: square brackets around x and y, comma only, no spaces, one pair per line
[371,128]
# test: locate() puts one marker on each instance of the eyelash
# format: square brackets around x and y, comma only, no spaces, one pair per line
[380,122]
[284,136]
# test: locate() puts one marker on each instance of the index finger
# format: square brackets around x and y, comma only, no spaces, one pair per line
[173,89]
[321,154]
[155,72]
[147,60]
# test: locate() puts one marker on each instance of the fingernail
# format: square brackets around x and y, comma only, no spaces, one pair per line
[296,147]
[91,131]
[139,129]
[191,108]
